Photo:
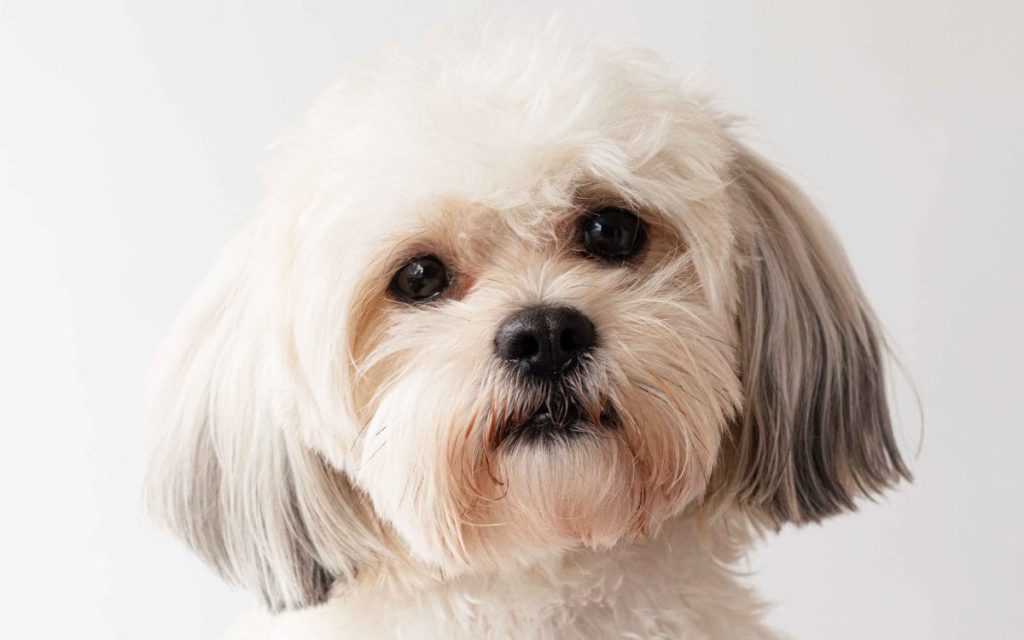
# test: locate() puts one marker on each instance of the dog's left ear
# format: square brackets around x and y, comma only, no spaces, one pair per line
[814,432]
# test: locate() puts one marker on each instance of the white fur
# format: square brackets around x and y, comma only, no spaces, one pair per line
[679,586]
[321,440]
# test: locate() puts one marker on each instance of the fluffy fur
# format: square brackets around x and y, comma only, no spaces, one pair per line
[322,443]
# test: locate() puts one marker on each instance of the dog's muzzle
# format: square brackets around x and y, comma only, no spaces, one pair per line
[545,344]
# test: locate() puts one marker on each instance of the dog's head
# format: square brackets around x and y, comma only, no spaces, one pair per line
[504,302]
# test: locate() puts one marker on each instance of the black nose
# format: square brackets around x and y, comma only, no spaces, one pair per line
[545,340]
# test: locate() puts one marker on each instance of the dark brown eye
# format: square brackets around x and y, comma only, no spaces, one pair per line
[421,279]
[612,233]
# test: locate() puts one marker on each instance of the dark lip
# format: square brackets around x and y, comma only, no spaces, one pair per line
[562,423]
[558,419]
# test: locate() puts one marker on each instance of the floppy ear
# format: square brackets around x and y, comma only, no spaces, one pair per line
[814,433]
[230,474]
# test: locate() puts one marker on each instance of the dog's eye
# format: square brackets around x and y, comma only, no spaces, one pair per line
[612,233]
[420,280]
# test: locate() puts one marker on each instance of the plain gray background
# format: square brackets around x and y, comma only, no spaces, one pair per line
[130,139]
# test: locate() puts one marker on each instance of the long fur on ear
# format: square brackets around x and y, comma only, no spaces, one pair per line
[814,432]
[230,474]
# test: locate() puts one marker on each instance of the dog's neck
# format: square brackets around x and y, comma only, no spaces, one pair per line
[680,584]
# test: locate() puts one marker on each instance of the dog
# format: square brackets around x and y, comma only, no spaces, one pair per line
[524,342]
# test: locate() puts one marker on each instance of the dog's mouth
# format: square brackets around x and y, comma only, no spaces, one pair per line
[558,420]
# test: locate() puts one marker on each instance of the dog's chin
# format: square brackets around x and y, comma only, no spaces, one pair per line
[565,486]
[565,477]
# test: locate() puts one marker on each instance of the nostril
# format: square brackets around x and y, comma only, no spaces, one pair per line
[523,346]
[518,339]
[577,334]
[570,340]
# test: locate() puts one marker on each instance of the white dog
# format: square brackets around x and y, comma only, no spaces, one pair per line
[524,344]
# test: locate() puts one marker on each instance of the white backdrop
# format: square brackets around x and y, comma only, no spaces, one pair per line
[130,137]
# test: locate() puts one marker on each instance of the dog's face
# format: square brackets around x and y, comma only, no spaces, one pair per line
[533,377]
[504,303]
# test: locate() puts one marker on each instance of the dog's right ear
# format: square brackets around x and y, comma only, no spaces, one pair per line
[230,473]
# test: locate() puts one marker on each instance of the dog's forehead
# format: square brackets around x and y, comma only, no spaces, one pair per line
[501,121]
[442,145]
[516,96]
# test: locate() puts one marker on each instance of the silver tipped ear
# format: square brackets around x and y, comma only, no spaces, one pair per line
[815,431]
[229,473]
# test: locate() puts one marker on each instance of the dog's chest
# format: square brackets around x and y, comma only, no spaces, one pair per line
[671,587]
